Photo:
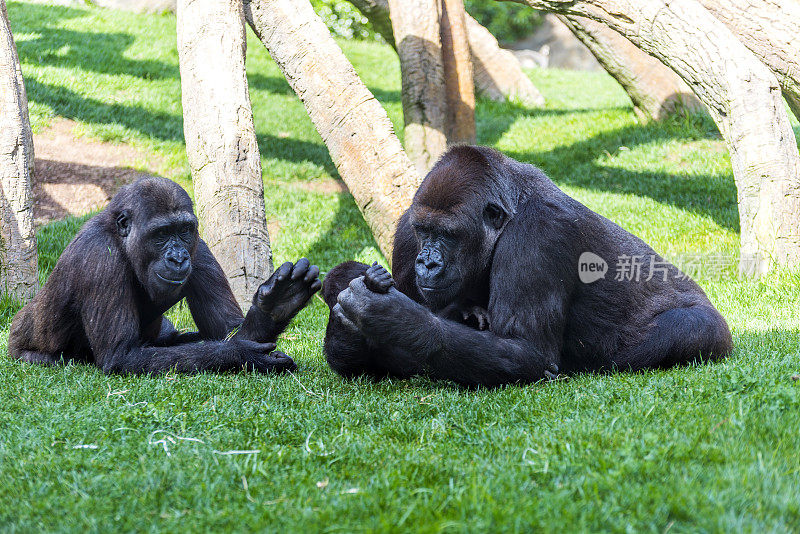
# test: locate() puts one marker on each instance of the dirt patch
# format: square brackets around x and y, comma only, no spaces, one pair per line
[74,176]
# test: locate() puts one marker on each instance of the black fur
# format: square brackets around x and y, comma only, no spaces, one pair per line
[104,300]
[491,243]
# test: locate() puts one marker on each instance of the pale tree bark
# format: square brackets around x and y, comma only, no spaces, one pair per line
[351,122]
[742,96]
[497,73]
[415,24]
[459,88]
[656,91]
[771,30]
[221,141]
[26,123]
[19,274]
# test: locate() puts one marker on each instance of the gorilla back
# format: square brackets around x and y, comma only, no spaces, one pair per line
[490,237]
[104,300]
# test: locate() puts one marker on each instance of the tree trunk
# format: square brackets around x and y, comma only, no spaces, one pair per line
[497,73]
[26,123]
[743,98]
[352,123]
[656,91]
[460,124]
[771,30]
[19,274]
[221,141]
[415,24]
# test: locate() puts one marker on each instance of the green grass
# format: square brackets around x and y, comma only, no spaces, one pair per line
[709,448]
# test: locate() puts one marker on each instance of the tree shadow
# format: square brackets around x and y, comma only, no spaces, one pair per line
[347,235]
[296,150]
[274,85]
[71,105]
[578,164]
[102,53]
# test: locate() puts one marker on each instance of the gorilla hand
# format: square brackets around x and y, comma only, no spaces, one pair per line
[377,279]
[476,317]
[382,318]
[288,290]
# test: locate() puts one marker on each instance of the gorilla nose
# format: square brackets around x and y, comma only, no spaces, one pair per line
[178,262]
[428,268]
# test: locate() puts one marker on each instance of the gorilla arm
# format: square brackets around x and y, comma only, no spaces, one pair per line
[412,339]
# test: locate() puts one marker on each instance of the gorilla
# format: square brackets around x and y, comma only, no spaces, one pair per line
[491,286]
[105,299]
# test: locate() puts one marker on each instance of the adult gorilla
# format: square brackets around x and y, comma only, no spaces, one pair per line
[104,300]
[486,263]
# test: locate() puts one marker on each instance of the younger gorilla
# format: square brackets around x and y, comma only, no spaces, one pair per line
[104,300]
[488,288]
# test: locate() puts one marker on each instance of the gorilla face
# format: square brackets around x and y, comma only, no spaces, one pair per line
[160,247]
[172,265]
[455,249]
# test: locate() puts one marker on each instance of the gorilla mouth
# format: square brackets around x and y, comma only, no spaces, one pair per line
[430,289]
[173,282]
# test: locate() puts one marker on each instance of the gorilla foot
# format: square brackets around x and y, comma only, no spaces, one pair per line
[377,279]
[288,290]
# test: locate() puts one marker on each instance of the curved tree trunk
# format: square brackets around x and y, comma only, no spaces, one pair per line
[656,91]
[19,274]
[496,72]
[352,123]
[460,126]
[415,24]
[743,98]
[221,141]
[771,30]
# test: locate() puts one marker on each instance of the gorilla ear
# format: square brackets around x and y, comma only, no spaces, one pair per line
[494,215]
[123,223]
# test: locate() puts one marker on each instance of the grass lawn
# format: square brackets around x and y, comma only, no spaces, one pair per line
[710,448]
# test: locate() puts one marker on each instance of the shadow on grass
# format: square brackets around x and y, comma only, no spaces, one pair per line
[346,236]
[102,53]
[71,105]
[577,164]
[295,150]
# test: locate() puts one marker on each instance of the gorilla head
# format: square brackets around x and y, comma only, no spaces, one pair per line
[158,230]
[456,228]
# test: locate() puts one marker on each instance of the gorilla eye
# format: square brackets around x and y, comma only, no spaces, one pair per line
[494,215]
[162,233]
